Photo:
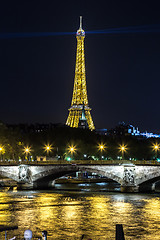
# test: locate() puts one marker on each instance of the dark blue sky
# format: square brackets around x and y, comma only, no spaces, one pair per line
[123,70]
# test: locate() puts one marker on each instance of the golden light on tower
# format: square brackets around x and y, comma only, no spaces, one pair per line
[79,104]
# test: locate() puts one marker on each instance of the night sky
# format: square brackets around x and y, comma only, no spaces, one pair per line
[122,69]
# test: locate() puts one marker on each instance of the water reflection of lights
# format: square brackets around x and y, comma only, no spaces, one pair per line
[122,207]
[46,205]
[99,206]
[124,197]
[69,212]
[58,211]
[5,215]
[152,209]
[69,215]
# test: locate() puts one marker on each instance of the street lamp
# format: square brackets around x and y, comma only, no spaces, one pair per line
[123,149]
[1,151]
[101,148]
[72,149]
[27,151]
[48,148]
[156,148]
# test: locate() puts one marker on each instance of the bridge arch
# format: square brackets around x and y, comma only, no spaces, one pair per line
[146,174]
[47,176]
[149,185]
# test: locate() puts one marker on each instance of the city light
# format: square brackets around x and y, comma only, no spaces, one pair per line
[1,151]
[70,152]
[72,149]
[101,148]
[48,148]
[123,149]
[156,148]
[27,150]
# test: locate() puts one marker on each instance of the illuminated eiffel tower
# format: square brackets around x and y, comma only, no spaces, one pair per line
[80,109]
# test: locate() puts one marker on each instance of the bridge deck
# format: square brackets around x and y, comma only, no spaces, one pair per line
[80,162]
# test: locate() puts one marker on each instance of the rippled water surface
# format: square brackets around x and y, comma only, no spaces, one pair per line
[69,214]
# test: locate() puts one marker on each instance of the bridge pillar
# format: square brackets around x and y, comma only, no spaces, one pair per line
[128,182]
[25,177]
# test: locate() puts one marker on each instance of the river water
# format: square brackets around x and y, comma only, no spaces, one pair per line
[67,214]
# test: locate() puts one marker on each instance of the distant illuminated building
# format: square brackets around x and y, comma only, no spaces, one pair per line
[79,112]
[127,129]
[124,130]
[149,135]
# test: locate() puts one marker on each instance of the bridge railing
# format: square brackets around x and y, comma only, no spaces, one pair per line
[78,162]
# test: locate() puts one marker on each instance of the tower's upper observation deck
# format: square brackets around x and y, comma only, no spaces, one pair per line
[80,31]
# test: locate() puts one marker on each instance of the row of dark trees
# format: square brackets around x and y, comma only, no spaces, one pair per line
[15,139]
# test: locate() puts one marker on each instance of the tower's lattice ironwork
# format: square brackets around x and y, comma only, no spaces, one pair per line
[79,102]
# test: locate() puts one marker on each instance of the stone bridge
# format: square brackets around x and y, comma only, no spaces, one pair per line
[131,178]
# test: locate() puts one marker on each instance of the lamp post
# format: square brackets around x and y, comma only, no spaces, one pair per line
[27,151]
[48,148]
[72,150]
[156,148]
[101,148]
[123,149]
[1,150]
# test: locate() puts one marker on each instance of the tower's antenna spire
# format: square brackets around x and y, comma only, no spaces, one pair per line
[80,22]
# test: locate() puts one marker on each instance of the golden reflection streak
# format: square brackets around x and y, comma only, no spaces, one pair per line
[46,207]
[152,209]
[5,215]
[122,207]
[28,217]
[69,214]
[66,216]
[99,209]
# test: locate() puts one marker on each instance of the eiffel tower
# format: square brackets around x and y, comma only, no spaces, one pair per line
[79,106]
